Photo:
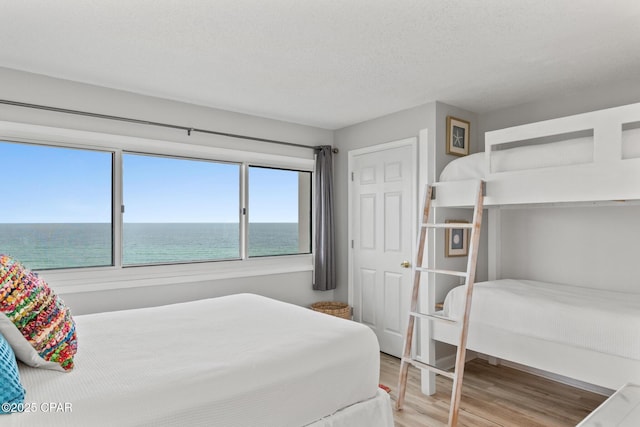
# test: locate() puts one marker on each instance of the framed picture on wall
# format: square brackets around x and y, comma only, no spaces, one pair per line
[456,239]
[457,136]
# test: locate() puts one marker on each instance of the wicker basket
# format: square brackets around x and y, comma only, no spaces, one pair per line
[338,309]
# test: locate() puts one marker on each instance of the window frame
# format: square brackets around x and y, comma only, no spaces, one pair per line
[117,276]
[240,210]
[111,195]
[248,211]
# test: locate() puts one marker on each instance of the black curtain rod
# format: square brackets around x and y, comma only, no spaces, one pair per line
[149,123]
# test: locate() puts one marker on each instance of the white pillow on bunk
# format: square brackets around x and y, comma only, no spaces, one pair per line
[467,167]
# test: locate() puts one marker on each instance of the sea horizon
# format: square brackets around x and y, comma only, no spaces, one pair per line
[89,244]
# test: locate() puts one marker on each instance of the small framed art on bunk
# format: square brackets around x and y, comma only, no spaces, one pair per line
[456,239]
[457,136]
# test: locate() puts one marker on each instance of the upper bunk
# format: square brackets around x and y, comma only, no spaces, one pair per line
[589,157]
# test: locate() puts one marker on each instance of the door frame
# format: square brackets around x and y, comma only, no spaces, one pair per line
[417,151]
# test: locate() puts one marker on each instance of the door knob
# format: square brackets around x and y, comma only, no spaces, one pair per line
[405,264]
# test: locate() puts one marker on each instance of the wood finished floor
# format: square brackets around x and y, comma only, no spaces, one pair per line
[491,396]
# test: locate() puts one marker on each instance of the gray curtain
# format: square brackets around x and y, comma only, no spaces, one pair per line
[324,246]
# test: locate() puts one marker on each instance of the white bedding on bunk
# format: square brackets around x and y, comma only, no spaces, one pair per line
[594,319]
[562,153]
[241,360]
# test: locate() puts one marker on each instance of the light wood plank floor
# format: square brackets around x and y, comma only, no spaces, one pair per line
[491,396]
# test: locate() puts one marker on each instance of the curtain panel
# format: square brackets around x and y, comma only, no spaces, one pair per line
[324,245]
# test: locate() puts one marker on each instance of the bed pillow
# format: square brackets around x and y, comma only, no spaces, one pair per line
[11,390]
[34,320]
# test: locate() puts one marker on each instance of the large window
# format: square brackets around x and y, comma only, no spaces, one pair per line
[279,212]
[179,210]
[56,206]
[61,206]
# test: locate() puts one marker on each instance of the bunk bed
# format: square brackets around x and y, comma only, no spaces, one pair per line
[239,360]
[589,335]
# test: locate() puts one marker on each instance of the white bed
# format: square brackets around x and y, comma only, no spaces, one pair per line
[592,156]
[582,160]
[566,152]
[591,320]
[594,319]
[241,360]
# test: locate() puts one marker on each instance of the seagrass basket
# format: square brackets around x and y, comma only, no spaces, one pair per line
[334,308]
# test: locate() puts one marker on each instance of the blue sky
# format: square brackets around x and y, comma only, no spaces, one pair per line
[47,184]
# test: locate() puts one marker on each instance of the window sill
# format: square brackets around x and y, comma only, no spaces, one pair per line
[111,278]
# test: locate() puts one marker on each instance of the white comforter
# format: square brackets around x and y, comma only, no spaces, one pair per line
[604,321]
[242,360]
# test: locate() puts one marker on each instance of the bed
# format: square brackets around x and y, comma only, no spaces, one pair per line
[240,360]
[588,157]
[600,323]
[583,334]
[564,152]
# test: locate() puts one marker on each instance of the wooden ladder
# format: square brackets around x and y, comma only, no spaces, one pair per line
[414,314]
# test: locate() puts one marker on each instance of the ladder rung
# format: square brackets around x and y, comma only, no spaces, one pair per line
[422,365]
[433,317]
[438,271]
[448,225]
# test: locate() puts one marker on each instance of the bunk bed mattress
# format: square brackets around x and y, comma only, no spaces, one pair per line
[599,320]
[562,153]
[241,360]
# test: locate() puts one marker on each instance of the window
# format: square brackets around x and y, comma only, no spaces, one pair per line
[181,204]
[279,212]
[179,210]
[56,206]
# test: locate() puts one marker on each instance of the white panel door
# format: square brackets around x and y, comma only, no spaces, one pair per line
[382,238]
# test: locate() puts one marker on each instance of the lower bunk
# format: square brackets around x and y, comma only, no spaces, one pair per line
[590,335]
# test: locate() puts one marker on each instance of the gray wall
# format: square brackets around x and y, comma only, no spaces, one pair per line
[392,127]
[594,247]
[296,287]
[400,125]
[292,287]
[37,89]
[566,104]
[30,88]
[516,259]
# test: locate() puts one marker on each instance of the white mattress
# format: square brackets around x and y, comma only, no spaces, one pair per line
[563,153]
[598,320]
[241,360]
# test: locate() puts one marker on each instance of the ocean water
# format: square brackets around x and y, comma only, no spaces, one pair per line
[46,246]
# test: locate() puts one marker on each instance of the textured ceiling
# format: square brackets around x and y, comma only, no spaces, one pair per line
[327,63]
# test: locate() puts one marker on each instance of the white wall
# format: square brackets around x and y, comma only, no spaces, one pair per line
[18,86]
[595,247]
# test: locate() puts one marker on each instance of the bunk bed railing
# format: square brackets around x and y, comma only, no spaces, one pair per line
[605,126]
[606,176]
